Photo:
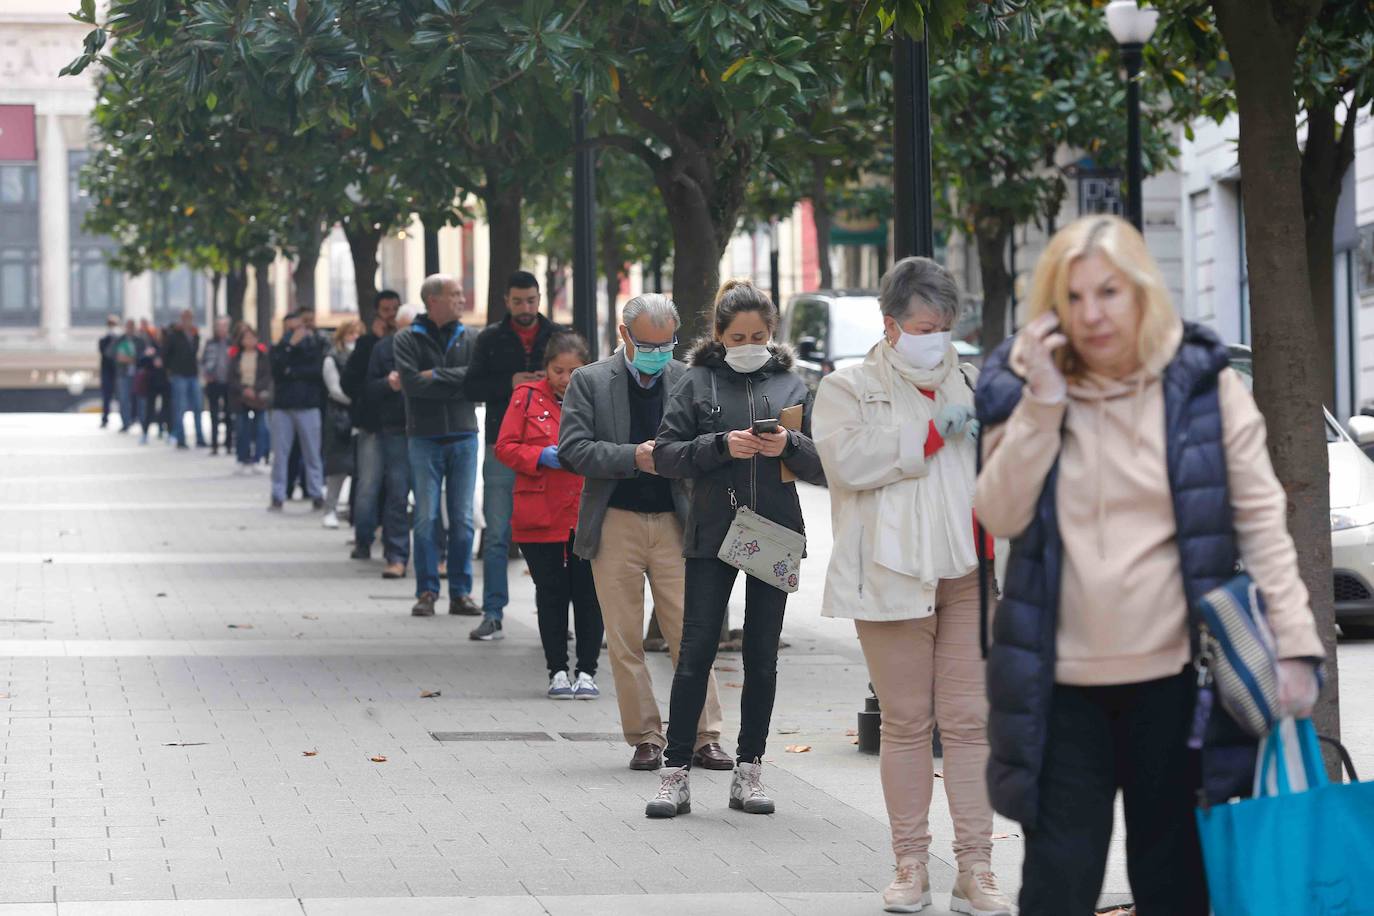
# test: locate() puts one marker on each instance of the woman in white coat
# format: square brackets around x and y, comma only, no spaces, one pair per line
[898,439]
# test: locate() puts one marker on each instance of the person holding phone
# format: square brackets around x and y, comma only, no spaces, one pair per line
[737,377]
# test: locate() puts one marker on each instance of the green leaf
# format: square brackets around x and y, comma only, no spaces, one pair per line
[732,69]
[88,11]
[211,101]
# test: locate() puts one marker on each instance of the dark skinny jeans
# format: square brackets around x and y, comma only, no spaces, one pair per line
[706,601]
[560,577]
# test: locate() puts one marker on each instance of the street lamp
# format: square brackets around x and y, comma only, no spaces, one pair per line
[1132,25]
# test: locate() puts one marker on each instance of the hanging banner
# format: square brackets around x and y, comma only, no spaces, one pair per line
[17,135]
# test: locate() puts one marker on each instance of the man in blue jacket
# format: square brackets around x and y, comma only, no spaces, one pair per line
[297,400]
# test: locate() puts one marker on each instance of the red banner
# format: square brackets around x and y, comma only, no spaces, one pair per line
[17,142]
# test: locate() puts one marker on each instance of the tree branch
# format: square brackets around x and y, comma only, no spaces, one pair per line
[650,120]
[628,144]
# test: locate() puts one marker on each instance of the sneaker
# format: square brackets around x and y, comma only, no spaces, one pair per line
[559,688]
[330,520]
[464,606]
[674,795]
[585,688]
[214,452]
[260,468]
[424,607]
[909,891]
[976,893]
[746,790]
[275,506]
[242,470]
[317,503]
[488,630]
[394,571]
[361,553]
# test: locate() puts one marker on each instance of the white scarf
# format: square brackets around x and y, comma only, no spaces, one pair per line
[925,524]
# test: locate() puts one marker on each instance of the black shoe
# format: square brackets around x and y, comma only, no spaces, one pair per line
[317,503]
[463,606]
[424,607]
[182,447]
[214,452]
[275,506]
[361,553]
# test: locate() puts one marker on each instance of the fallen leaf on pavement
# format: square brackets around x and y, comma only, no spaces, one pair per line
[426,694]
[798,748]
[47,559]
[733,684]
[850,733]
[240,626]
[726,668]
[788,730]
[1004,836]
[855,741]
[310,753]
[185,744]
[162,594]
[311,616]
[939,775]
[379,759]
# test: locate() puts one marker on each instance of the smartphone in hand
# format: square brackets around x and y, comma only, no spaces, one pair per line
[765,426]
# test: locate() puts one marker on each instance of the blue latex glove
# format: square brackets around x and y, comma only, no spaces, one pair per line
[956,420]
[548,458]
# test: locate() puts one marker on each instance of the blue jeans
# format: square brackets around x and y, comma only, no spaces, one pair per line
[124,391]
[498,489]
[451,467]
[186,395]
[251,435]
[383,456]
[287,425]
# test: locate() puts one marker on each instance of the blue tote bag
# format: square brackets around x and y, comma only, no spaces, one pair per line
[1301,846]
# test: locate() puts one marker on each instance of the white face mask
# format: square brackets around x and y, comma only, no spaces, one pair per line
[923,351]
[747,358]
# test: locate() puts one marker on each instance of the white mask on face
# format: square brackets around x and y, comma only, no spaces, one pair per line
[747,358]
[923,351]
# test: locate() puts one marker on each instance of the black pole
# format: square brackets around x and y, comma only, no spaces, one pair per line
[774,280]
[1131,54]
[431,251]
[912,180]
[584,229]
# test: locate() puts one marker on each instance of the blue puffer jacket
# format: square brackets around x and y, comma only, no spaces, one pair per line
[1021,658]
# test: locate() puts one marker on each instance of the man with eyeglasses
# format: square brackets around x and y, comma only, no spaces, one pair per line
[630,524]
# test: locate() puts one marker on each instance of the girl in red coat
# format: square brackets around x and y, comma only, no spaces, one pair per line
[545,518]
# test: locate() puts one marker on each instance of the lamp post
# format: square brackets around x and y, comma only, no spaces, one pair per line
[911,175]
[1132,25]
[584,229]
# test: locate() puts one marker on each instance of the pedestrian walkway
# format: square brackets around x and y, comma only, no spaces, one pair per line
[208,708]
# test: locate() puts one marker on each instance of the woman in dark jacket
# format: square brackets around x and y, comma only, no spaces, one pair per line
[545,518]
[250,394]
[150,383]
[737,378]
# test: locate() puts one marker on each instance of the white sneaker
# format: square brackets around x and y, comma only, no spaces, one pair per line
[330,520]
[260,468]
[585,688]
[746,789]
[674,795]
[976,893]
[242,470]
[909,891]
[559,687]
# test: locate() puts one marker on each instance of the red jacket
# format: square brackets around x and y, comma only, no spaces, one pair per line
[545,509]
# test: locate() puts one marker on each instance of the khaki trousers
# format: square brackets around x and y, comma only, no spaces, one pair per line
[925,671]
[634,546]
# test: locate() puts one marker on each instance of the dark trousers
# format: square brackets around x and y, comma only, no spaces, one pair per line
[217,397]
[561,577]
[1131,737]
[107,395]
[706,601]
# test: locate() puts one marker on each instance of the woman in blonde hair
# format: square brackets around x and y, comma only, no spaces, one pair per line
[338,421]
[1128,465]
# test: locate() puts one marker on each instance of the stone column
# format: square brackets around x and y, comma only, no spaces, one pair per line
[54,231]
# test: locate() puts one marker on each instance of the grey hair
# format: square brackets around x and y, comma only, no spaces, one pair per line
[433,285]
[657,306]
[914,283]
[410,311]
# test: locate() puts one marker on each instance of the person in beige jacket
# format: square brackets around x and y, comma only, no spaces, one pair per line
[898,440]
[1090,366]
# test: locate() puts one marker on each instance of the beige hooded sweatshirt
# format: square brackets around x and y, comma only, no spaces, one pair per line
[1123,617]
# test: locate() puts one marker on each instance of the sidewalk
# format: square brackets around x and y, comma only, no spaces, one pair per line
[172,653]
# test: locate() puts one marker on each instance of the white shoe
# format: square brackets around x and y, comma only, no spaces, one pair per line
[585,688]
[330,520]
[976,894]
[674,795]
[746,789]
[260,468]
[909,891]
[242,470]
[559,687]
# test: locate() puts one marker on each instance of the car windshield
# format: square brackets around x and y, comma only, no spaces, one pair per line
[856,325]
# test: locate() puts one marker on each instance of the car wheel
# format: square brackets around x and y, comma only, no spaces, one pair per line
[1361,629]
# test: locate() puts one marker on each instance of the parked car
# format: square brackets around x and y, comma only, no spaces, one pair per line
[831,329]
[1352,512]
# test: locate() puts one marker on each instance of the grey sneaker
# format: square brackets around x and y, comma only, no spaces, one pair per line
[674,795]
[746,790]
[488,630]
[909,891]
[585,688]
[559,687]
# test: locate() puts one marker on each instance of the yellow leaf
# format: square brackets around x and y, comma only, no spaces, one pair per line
[190,210]
[1202,24]
[1178,75]
[376,140]
[733,69]
[615,80]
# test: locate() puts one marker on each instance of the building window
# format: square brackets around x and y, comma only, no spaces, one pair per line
[19,253]
[343,290]
[97,289]
[1364,261]
[175,291]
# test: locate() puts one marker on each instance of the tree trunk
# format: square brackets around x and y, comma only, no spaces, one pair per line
[990,232]
[216,280]
[696,262]
[656,268]
[611,262]
[235,288]
[363,242]
[1289,383]
[1325,160]
[303,276]
[822,217]
[266,306]
[503,221]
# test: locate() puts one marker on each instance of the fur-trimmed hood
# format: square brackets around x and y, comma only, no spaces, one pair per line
[710,352]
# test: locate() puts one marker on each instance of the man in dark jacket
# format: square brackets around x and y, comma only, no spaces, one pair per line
[383,465]
[432,358]
[182,361]
[298,387]
[507,353]
[214,363]
[107,367]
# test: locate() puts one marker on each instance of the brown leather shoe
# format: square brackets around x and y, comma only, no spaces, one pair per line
[425,606]
[464,606]
[647,757]
[394,571]
[712,757]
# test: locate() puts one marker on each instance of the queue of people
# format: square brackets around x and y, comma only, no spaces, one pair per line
[637,468]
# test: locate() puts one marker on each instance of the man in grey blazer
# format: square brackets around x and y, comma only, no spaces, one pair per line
[630,522]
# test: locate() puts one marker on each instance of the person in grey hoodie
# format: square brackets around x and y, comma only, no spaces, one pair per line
[214,368]
[737,378]
[432,358]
